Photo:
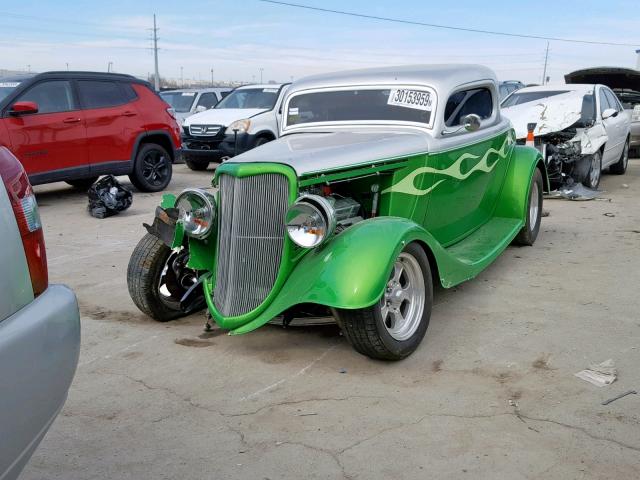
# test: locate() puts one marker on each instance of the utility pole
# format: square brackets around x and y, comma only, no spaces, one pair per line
[67,63]
[261,70]
[155,54]
[212,76]
[181,77]
[109,66]
[546,58]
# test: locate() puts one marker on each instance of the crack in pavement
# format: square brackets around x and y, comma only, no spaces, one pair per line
[517,414]
[333,455]
[583,430]
[297,402]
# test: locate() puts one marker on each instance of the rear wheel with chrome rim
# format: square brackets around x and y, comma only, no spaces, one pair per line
[394,327]
[152,169]
[529,233]
[620,167]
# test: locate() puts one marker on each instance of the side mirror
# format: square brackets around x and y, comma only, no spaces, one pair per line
[471,122]
[200,108]
[23,108]
[609,112]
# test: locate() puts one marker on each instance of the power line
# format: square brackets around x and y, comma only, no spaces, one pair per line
[447,27]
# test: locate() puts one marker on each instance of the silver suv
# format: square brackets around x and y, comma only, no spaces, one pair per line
[187,101]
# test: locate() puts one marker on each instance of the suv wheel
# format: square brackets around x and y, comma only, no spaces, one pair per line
[262,141]
[152,168]
[196,164]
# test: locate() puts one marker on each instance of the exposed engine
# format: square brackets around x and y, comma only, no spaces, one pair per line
[563,154]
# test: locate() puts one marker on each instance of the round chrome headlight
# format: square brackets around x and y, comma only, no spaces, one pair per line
[310,221]
[196,212]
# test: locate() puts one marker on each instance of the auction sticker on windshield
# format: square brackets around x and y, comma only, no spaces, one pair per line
[418,99]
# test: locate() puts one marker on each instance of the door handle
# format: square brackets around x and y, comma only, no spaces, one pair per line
[129,113]
[71,120]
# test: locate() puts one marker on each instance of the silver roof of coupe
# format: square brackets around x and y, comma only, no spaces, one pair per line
[441,77]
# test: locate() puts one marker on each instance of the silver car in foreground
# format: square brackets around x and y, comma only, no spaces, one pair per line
[39,326]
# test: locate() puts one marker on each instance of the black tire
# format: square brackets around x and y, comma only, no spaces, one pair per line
[143,277]
[595,162]
[529,233]
[197,164]
[620,167]
[152,169]
[82,183]
[262,141]
[365,328]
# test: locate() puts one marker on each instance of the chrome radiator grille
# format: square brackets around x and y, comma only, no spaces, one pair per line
[251,236]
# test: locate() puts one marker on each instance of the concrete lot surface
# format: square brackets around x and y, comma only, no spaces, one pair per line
[489,394]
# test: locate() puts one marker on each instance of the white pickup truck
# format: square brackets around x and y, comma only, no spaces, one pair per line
[244,119]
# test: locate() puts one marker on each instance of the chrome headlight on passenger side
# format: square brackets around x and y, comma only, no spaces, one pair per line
[196,212]
[310,221]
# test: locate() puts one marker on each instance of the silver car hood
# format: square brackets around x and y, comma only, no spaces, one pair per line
[316,152]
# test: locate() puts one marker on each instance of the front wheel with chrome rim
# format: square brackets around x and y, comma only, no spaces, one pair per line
[394,327]
[529,233]
[158,279]
[592,179]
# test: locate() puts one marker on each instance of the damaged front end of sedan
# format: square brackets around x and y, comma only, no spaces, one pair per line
[564,127]
[571,154]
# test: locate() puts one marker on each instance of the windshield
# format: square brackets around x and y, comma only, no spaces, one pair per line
[6,88]
[524,97]
[179,101]
[366,105]
[264,98]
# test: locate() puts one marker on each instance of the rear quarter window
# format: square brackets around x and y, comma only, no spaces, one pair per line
[129,93]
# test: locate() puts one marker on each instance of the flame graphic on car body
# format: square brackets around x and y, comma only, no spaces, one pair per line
[406,185]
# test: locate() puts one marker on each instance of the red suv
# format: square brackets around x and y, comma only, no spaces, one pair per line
[75,126]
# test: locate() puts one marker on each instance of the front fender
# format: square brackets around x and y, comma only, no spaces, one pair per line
[513,200]
[349,271]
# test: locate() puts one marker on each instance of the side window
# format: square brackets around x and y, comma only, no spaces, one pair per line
[224,94]
[207,100]
[100,94]
[53,96]
[604,101]
[613,101]
[475,100]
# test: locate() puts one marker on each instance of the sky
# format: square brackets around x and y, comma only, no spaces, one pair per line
[244,39]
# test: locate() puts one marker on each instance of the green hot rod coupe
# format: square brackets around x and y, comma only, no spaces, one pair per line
[382,182]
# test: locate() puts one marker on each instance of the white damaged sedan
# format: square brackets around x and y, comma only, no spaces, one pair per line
[580,130]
